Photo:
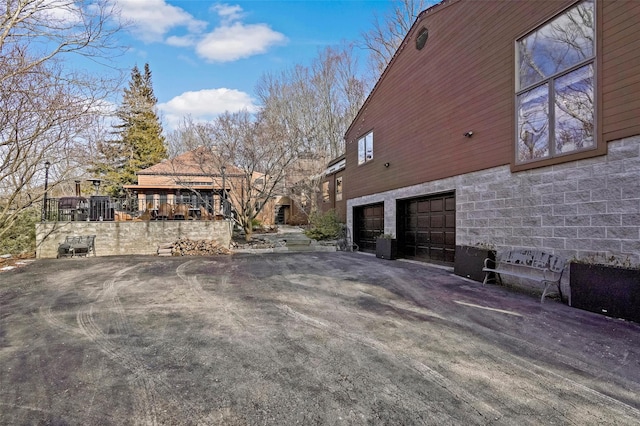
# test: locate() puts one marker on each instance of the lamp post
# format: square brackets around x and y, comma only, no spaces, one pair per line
[47,164]
[223,198]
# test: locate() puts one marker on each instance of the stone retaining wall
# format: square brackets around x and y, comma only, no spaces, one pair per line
[123,238]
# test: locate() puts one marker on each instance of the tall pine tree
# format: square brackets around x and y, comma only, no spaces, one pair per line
[139,142]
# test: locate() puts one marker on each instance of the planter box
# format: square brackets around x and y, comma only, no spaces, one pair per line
[469,262]
[607,290]
[386,248]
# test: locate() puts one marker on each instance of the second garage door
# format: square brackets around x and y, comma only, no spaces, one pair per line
[427,228]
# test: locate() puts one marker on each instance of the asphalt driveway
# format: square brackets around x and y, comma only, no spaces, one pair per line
[308,338]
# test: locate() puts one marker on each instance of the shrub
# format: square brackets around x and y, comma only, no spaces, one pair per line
[256,224]
[21,237]
[324,226]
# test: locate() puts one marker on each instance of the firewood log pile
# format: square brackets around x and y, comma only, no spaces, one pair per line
[187,247]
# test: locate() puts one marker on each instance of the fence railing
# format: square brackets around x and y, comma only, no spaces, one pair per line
[104,208]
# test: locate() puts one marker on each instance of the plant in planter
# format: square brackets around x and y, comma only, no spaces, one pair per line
[469,260]
[386,247]
[606,285]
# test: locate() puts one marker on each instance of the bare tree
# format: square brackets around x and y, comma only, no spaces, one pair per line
[388,31]
[251,152]
[38,31]
[314,106]
[184,137]
[259,148]
[46,110]
[43,118]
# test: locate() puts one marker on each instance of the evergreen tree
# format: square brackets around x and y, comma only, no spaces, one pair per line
[139,142]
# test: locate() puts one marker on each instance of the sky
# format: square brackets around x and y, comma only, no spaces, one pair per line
[206,57]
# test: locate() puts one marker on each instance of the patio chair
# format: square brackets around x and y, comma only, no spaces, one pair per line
[165,211]
[181,212]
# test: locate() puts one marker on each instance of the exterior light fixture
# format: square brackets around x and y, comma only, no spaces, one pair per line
[468,134]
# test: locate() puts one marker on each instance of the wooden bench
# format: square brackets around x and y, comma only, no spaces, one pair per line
[536,265]
[82,245]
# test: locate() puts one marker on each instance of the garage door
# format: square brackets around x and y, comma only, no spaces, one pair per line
[368,224]
[427,228]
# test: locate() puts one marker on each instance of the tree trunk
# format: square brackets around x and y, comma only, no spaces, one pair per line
[248,230]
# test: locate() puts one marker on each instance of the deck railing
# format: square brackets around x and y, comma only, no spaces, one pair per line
[105,208]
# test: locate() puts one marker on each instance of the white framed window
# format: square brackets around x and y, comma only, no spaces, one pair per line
[339,188]
[555,89]
[365,148]
[325,192]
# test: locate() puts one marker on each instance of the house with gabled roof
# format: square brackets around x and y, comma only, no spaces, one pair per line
[192,185]
[502,123]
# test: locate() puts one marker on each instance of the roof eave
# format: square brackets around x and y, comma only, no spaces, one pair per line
[431,9]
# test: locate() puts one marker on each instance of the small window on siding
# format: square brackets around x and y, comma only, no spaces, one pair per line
[365,148]
[339,189]
[325,192]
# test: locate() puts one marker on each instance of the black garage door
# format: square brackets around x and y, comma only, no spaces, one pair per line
[368,223]
[427,228]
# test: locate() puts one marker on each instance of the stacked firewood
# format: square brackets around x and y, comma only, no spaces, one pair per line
[165,249]
[187,247]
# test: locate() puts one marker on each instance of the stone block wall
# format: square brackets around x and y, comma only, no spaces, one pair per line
[124,238]
[581,209]
[578,209]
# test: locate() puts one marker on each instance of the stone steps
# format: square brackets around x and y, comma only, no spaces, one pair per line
[293,240]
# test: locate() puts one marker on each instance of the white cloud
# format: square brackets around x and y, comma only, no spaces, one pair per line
[227,12]
[184,41]
[237,41]
[231,40]
[152,19]
[204,105]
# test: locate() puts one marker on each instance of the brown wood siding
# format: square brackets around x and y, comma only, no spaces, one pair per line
[340,207]
[620,74]
[326,205]
[464,79]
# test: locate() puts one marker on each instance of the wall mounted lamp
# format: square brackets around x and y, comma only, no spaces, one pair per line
[386,164]
[468,134]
